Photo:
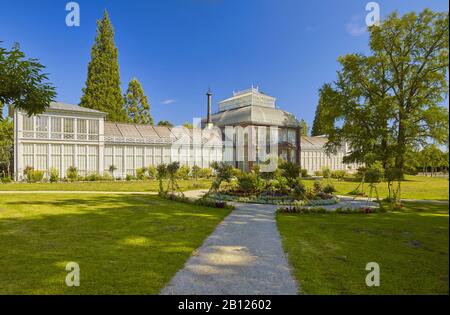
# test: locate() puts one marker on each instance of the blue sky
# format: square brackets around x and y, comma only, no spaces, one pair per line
[179,48]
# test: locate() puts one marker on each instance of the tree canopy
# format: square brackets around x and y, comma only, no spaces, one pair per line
[23,84]
[137,106]
[102,91]
[165,123]
[305,127]
[388,102]
[321,125]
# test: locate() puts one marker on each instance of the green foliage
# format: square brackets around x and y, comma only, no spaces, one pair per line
[188,125]
[374,174]
[247,182]
[93,177]
[299,190]
[152,172]
[304,127]
[304,173]
[165,123]
[137,106]
[317,187]
[54,175]
[6,145]
[205,173]
[141,173]
[329,189]
[161,174]
[34,176]
[322,121]
[390,101]
[290,171]
[326,172]
[172,175]
[6,180]
[72,173]
[102,91]
[23,83]
[183,172]
[196,171]
[339,174]
[223,172]
[130,177]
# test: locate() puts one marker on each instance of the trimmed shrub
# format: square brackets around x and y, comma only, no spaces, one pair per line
[72,173]
[318,173]
[6,179]
[54,175]
[339,174]
[93,177]
[34,176]
[329,189]
[326,172]
[304,173]
[205,173]
[130,177]
[183,172]
[247,182]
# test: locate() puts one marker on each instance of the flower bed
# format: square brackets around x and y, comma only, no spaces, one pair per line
[320,210]
[274,199]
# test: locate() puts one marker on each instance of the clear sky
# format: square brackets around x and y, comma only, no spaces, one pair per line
[179,48]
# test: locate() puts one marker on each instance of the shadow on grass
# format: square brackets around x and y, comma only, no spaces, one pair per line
[123,244]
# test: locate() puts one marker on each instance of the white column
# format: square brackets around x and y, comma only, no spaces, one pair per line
[101,147]
[145,156]
[75,156]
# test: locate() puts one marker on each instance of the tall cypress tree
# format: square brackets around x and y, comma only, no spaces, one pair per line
[321,124]
[102,91]
[137,106]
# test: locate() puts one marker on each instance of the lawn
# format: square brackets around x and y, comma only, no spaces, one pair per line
[130,244]
[136,186]
[329,252]
[414,187]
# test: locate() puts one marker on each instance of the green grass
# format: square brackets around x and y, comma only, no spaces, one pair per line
[129,244]
[136,186]
[329,252]
[414,187]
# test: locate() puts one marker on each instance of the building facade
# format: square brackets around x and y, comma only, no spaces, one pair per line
[71,136]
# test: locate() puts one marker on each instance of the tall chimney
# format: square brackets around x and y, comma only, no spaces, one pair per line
[208,117]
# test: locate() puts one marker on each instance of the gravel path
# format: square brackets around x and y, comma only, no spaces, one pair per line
[242,256]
